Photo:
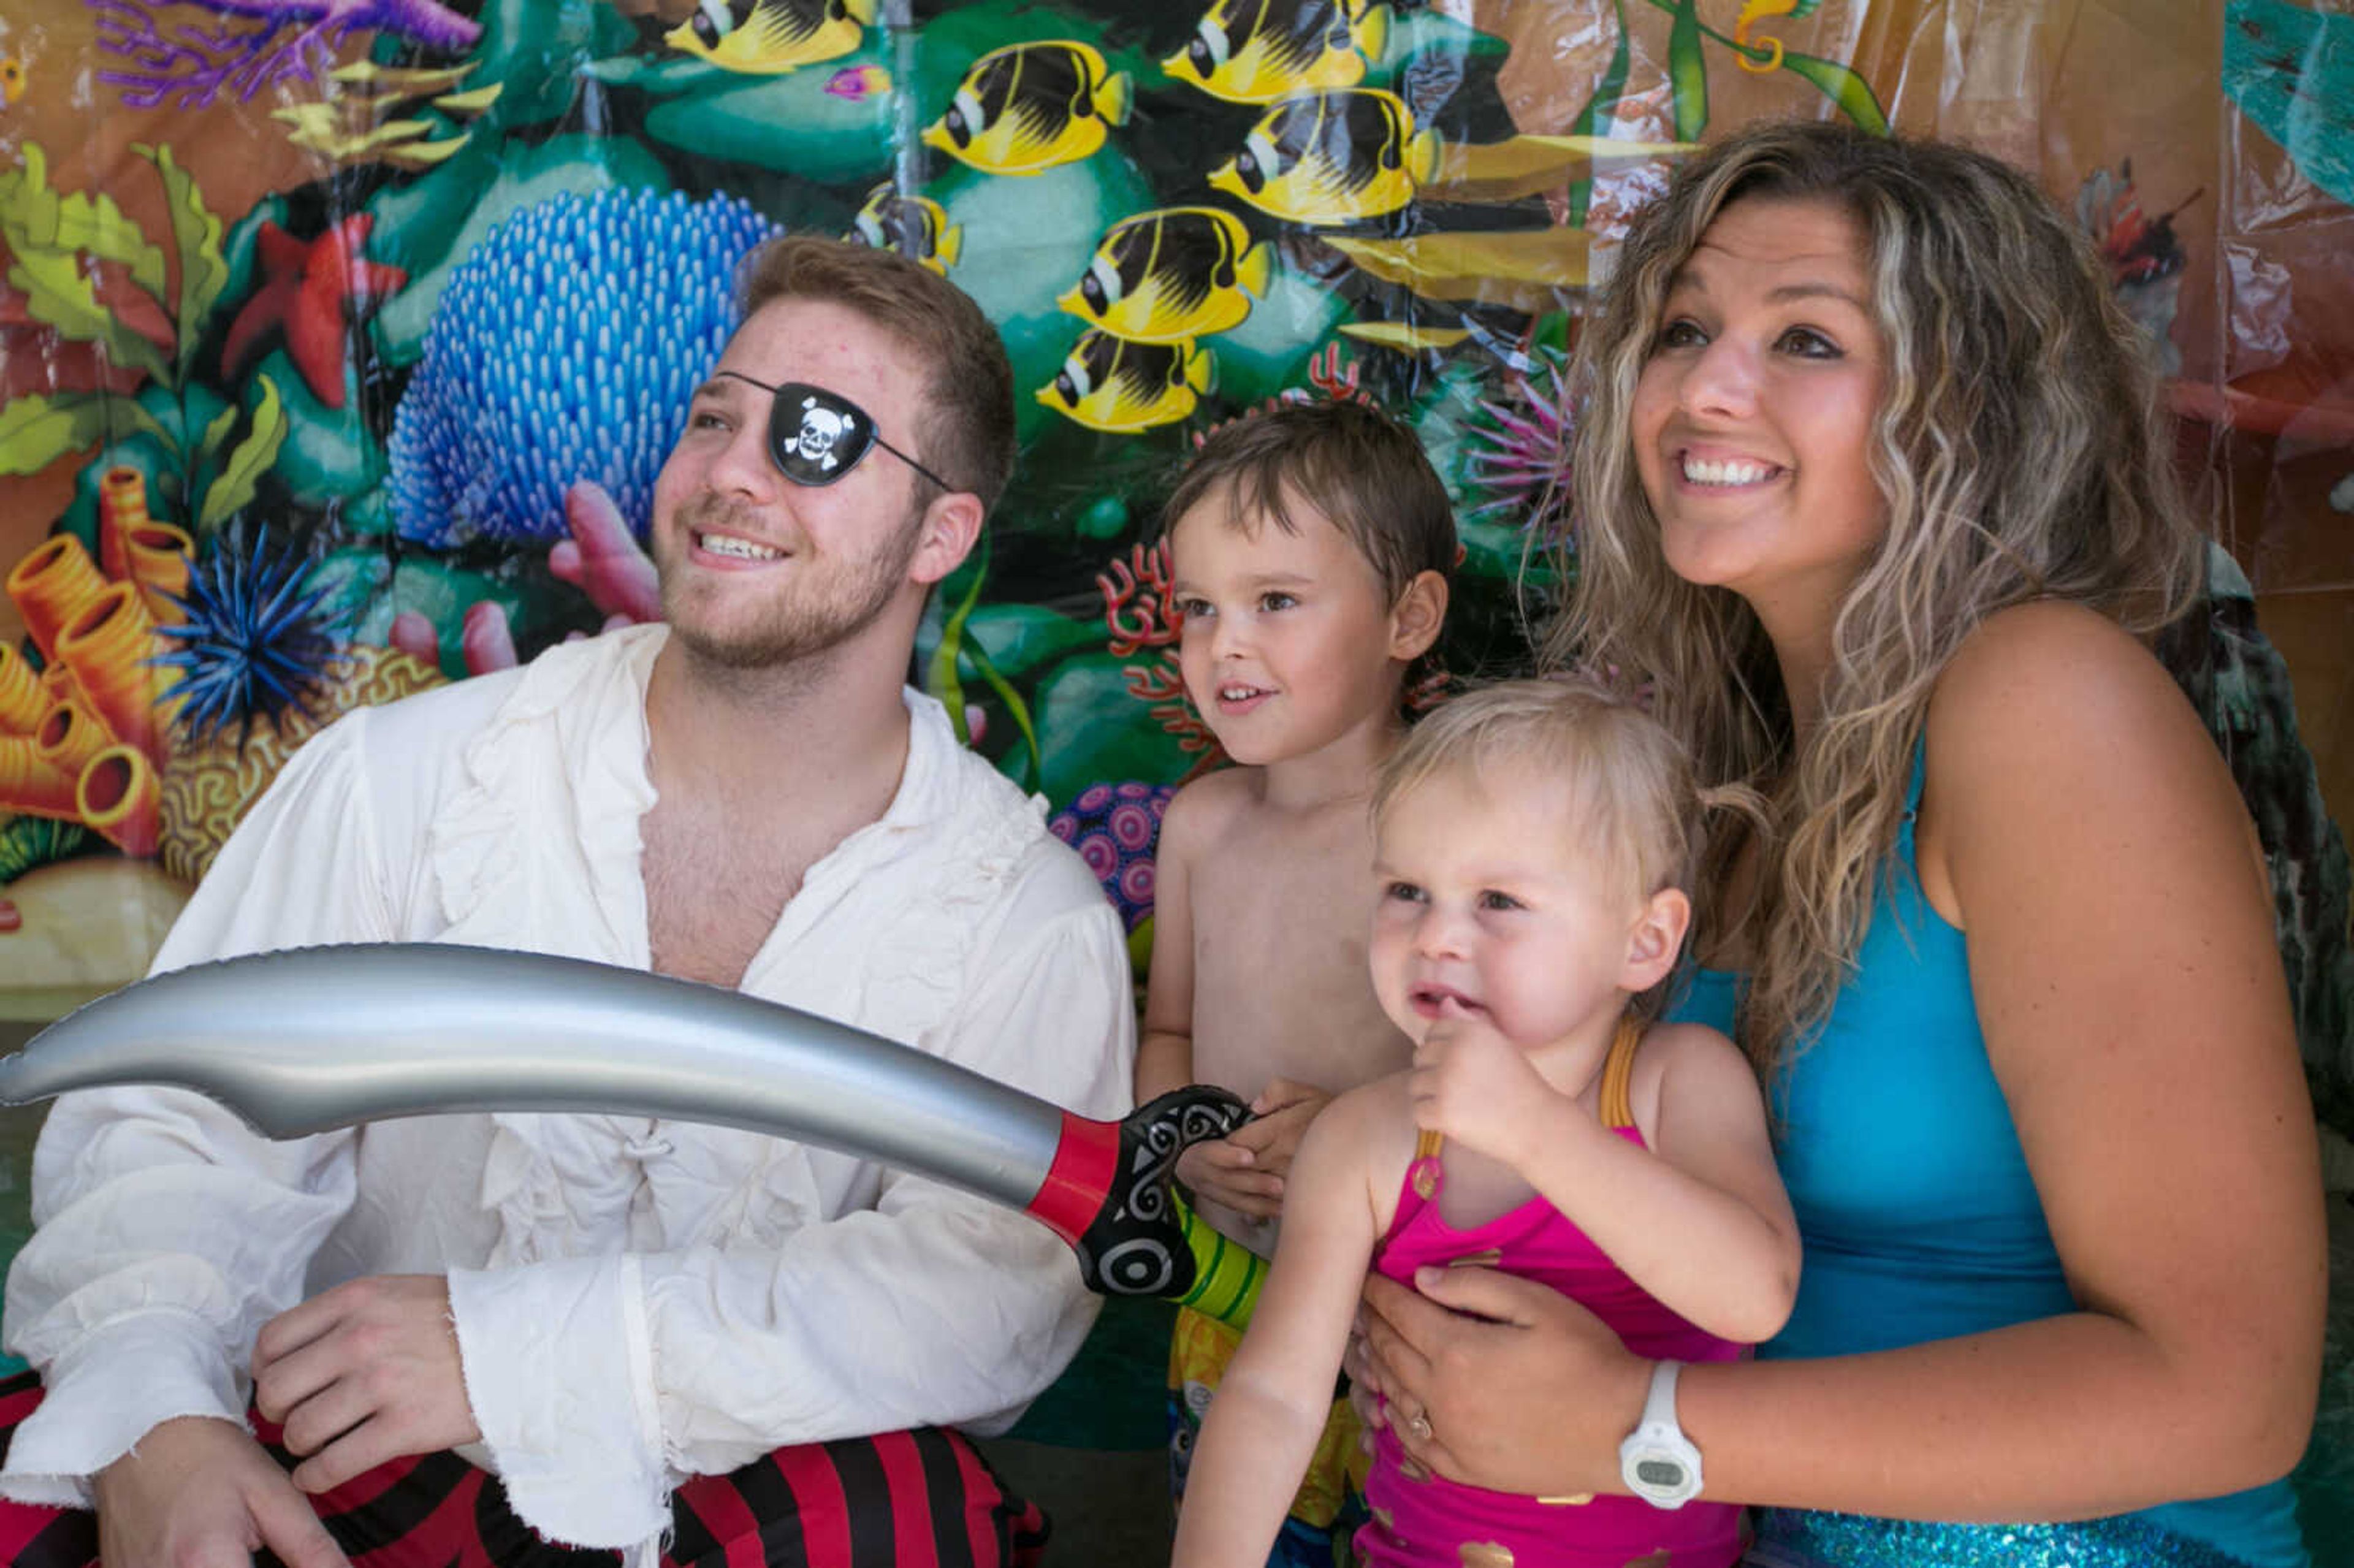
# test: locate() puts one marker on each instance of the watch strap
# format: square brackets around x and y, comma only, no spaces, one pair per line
[1659,1404]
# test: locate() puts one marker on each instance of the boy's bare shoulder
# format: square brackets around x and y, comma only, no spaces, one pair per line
[1200,811]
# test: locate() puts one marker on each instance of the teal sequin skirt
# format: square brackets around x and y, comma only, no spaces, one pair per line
[1788,1538]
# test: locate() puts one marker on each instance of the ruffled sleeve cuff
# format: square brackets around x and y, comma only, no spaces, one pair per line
[108,1390]
[559,1372]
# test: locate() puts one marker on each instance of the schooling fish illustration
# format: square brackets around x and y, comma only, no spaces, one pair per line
[916,227]
[1110,384]
[1174,273]
[767,38]
[1026,108]
[1332,157]
[1255,52]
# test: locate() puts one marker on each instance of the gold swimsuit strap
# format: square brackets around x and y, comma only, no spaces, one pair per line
[1617,1108]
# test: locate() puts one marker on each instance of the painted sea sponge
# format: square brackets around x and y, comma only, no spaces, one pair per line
[566,346]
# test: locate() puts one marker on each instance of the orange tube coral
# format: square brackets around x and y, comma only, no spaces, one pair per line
[109,647]
[159,558]
[23,704]
[30,786]
[119,796]
[134,547]
[122,506]
[68,737]
[57,685]
[52,586]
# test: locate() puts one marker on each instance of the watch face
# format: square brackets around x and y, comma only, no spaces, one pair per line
[1658,1470]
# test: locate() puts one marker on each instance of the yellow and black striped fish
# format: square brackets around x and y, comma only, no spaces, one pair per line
[1026,108]
[1110,384]
[1332,157]
[767,38]
[1174,273]
[916,227]
[1255,52]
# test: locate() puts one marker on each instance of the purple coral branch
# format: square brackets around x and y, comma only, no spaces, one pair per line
[422,20]
[194,64]
[199,64]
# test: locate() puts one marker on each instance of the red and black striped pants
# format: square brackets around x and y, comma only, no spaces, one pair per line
[923,1499]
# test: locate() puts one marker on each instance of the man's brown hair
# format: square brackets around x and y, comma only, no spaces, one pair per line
[965,433]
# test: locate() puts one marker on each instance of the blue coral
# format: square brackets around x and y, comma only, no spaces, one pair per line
[565,347]
[254,645]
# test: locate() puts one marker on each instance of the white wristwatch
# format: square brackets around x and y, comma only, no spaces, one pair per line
[1656,1461]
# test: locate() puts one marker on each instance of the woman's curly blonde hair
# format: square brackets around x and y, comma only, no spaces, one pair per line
[2021,455]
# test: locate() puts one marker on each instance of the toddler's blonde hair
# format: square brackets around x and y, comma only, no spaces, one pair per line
[1627,788]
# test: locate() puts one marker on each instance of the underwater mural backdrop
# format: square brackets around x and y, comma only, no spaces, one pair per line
[340,340]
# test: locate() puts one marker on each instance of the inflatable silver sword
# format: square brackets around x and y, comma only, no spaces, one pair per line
[310,1039]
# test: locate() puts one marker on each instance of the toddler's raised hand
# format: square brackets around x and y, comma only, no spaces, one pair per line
[1476,1087]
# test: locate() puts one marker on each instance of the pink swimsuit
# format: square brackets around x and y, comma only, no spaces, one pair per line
[1421,1521]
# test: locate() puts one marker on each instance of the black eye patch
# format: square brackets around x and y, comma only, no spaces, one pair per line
[816,436]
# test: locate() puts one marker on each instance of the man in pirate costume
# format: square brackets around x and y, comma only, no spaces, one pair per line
[532,1339]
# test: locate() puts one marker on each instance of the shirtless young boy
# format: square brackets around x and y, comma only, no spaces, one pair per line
[1311,547]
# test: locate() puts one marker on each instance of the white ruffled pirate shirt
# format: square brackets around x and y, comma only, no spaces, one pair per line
[636,1301]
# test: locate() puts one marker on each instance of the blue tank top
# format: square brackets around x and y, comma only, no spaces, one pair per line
[1918,1214]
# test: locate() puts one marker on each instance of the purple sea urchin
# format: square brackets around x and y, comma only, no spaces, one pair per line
[565,347]
[1116,828]
[1516,456]
[254,644]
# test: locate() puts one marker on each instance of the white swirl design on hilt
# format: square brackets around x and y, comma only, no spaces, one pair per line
[1135,1246]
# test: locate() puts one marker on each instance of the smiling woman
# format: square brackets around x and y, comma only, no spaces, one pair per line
[1873,497]
[1751,418]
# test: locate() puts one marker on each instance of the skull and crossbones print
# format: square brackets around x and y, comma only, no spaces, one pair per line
[823,429]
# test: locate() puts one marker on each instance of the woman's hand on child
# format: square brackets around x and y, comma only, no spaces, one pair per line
[1520,1388]
[1478,1088]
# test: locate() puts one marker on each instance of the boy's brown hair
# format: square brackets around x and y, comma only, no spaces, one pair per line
[1350,460]
[965,433]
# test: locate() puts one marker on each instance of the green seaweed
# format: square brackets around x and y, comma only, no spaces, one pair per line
[940,676]
[1688,71]
[39,427]
[196,238]
[1844,86]
[252,458]
[57,241]
[1601,111]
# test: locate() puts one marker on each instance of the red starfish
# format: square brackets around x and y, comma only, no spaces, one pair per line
[311,290]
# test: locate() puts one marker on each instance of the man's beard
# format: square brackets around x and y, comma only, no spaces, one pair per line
[808,619]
